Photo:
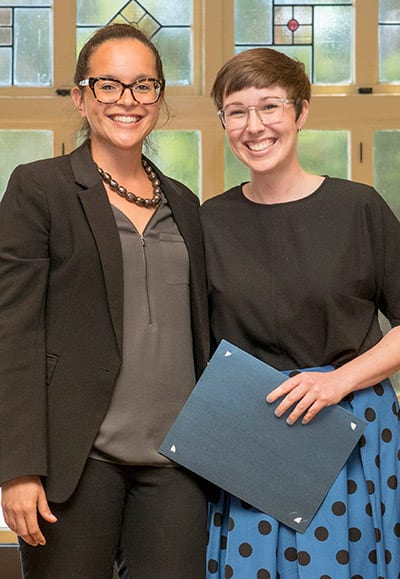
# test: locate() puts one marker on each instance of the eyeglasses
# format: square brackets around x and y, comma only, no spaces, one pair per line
[145,91]
[269,111]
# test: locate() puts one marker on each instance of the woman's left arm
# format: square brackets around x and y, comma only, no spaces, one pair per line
[312,391]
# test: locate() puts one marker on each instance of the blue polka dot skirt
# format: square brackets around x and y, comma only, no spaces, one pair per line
[356,531]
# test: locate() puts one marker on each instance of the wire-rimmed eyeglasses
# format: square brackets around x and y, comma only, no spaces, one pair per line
[269,111]
[145,91]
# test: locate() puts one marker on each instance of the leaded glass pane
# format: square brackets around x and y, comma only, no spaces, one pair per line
[175,48]
[389,11]
[133,12]
[97,12]
[389,41]
[235,172]
[318,32]
[5,66]
[5,17]
[316,2]
[171,13]
[82,35]
[304,14]
[333,46]
[389,50]
[302,53]
[26,42]
[33,54]
[5,37]
[253,22]
[282,15]
[320,152]
[387,182]
[177,153]
[22,147]
[325,152]
[282,36]
[147,23]
[169,24]
[26,3]
[386,166]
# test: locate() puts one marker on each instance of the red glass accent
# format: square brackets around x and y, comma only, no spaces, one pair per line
[293,25]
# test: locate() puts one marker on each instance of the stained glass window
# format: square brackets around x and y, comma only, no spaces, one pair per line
[325,152]
[389,41]
[386,166]
[235,172]
[26,31]
[169,24]
[386,180]
[319,33]
[18,146]
[177,153]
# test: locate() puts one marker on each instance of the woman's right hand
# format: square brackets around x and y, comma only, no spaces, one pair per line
[22,499]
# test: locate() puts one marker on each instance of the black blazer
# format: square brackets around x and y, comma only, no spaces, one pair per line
[61,301]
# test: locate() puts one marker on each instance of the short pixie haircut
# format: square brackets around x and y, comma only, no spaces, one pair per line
[262,68]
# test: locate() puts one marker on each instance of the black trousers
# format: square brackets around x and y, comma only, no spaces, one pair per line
[156,516]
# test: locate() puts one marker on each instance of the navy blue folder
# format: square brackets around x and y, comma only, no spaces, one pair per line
[229,435]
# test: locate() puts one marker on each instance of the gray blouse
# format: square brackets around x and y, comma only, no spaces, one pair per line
[157,373]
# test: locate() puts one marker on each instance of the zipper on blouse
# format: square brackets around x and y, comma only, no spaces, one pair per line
[150,320]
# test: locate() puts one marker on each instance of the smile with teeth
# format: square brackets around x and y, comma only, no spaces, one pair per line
[125,118]
[261,146]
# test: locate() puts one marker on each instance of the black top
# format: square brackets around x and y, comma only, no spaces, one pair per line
[299,284]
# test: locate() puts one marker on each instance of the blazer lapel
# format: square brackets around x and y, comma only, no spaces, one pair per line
[102,224]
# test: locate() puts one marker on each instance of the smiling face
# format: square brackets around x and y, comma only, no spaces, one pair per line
[123,125]
[264,146]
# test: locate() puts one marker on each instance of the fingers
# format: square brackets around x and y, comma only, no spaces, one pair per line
[21,500]
[304,395]
[44,509]
[306,408]
[299,400]
[27,527]
[283,389]
[22,519]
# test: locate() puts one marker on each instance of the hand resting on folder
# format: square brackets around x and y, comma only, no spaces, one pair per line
[309,392]
[312,391]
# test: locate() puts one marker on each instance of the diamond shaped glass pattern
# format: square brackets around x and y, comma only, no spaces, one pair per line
[171,20]
[291,24]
